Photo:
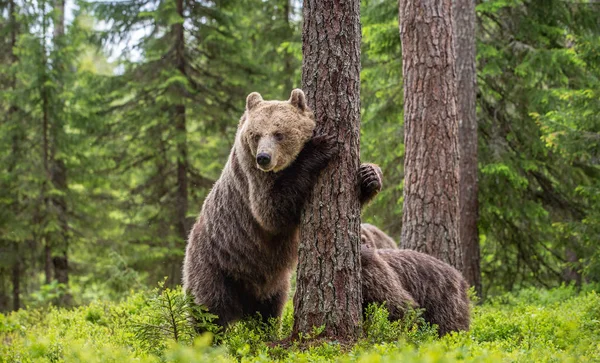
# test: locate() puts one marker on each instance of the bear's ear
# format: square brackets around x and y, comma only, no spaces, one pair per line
[298,99]
[252,100]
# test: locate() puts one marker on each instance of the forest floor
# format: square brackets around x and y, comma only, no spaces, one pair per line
[533,325]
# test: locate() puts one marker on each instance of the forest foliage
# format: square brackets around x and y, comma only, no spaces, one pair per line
[113,132]
[559,325]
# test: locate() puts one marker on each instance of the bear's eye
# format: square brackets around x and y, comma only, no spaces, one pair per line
[278,136]
[256,137]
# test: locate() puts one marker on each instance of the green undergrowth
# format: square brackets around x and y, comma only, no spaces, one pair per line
[559,325]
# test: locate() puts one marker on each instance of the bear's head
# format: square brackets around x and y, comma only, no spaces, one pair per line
[276,131]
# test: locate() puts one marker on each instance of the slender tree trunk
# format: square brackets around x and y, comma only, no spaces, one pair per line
[464,36]
[15,151]
[44,190]
[16,283]
[59,18]
[58,169]
[328,280]
[430,222]
[288,65]
[571,272]
[181,141]
[4,289]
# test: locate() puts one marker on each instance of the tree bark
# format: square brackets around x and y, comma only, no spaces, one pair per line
[464,36]
[179,111]
[328,280]
[430,222]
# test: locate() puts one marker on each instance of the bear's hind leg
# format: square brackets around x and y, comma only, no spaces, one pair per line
[272,307]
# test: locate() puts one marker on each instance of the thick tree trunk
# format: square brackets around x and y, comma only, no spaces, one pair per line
[328,280]
[181,199]
[464,41]
[430,222]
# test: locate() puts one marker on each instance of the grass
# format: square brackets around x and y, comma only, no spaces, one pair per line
[559,325]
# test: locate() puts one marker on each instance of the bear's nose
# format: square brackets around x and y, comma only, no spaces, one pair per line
[263,159]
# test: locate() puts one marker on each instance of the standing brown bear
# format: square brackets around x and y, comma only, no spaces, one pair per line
[243,248]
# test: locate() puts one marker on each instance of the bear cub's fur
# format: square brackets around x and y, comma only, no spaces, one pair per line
[404,278]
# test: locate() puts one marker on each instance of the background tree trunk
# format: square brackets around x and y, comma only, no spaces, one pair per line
[181,199]
[464,41]
[289,57]
[44,94]
[328,281]
[430,221]
[17,139]
[58,169]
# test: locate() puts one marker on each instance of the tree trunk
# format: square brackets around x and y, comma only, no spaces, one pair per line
[464,41]
[4,289]
[16,283]
[571,272]
[288,60]
[58,169]
[430,222]
[59,18]
[328,280]
[44,189]
[15,151]
[181,142]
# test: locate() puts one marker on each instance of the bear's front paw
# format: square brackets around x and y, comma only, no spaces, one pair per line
[370,176]
[325,145]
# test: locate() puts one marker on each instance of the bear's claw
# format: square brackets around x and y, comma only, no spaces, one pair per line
[370,180]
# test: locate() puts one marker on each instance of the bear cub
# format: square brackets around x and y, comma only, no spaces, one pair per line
[404,278]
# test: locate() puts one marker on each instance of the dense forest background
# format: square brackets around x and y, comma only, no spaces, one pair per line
[117,116]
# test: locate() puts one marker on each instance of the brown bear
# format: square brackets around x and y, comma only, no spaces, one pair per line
[404,278]
[243,247]
[374,237]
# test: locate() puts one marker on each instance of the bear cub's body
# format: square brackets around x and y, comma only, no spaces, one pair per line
[404,278]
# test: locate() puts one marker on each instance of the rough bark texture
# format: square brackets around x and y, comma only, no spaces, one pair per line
[430,222]
[179,115]
[464,46]
[328,280]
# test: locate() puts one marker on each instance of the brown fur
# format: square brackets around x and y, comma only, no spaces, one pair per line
[380,283]
[374,237]
[393,274]
[243,248]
